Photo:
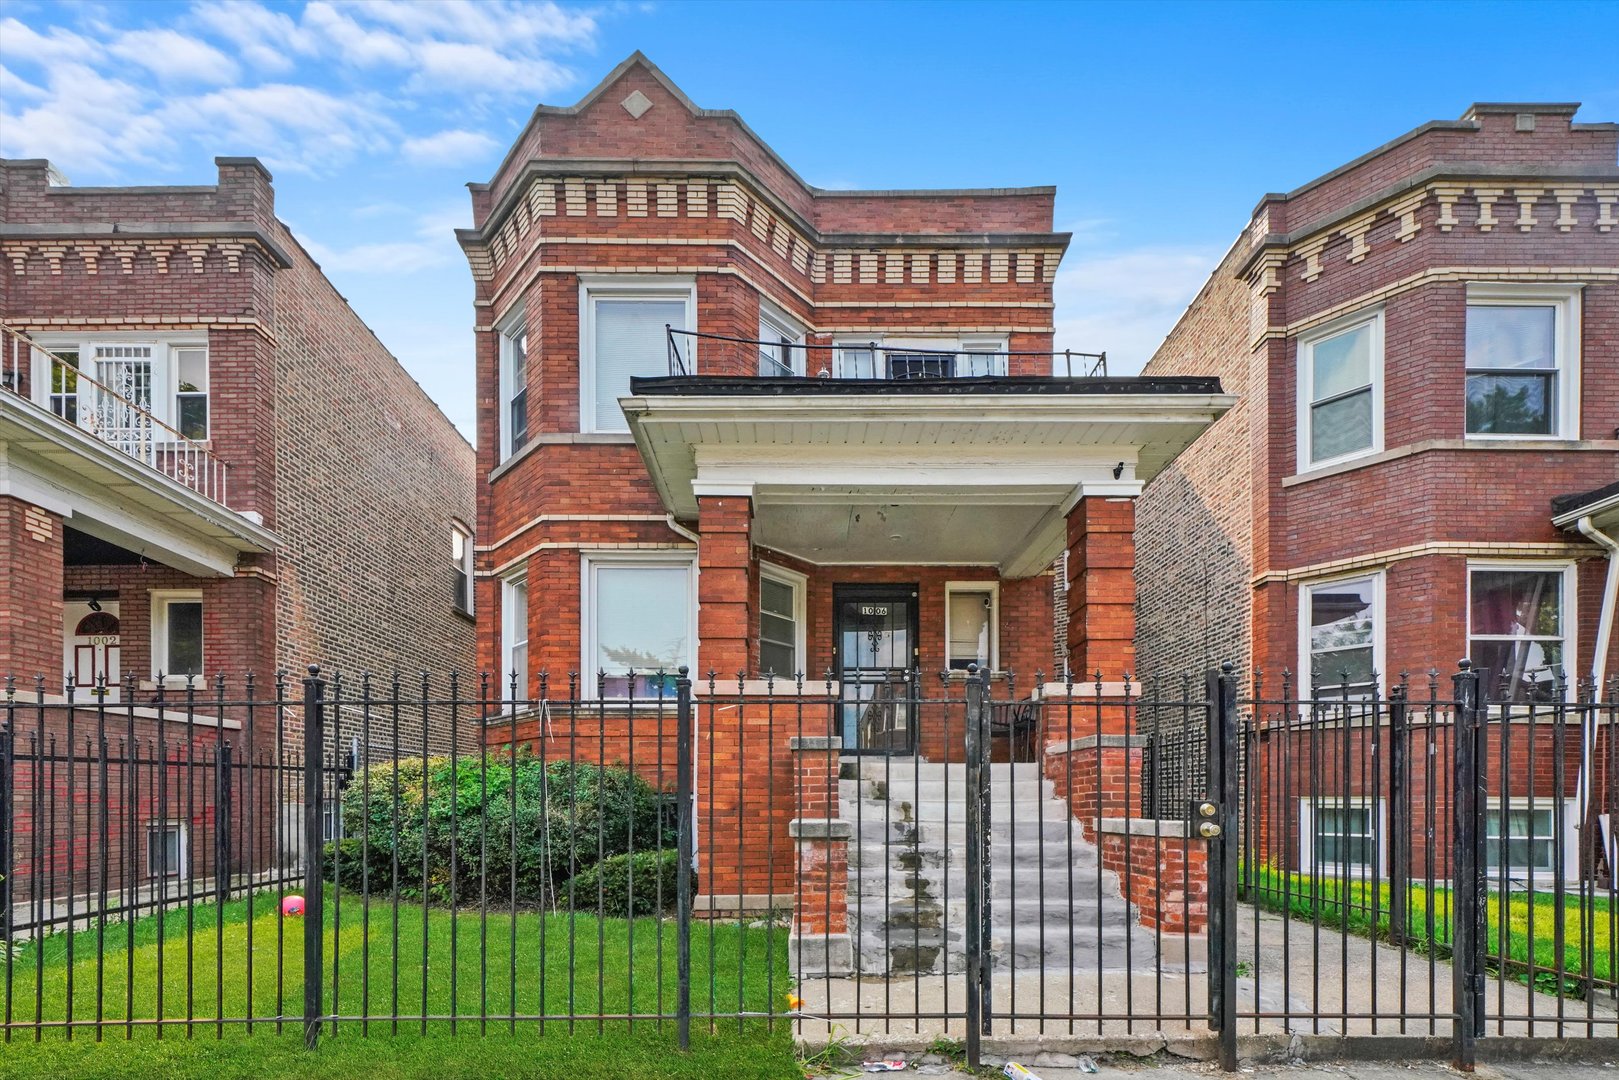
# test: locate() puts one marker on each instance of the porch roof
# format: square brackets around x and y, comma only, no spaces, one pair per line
[107,494]
[944,471]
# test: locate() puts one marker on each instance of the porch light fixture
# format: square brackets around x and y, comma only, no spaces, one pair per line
[1118,470]
[95,603]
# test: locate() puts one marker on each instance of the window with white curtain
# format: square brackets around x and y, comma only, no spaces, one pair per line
[514,635]
[970,617]
[624,335]
[640,622]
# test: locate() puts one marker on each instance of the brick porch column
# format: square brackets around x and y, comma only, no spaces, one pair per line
[819,946]
[724,556]
[1102,587]
[30,595]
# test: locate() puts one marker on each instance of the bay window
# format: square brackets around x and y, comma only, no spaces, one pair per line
[640,622]
[1518,617]
[513,417]
[1340,369]
[781,342]
[514,635]
[877,357]
[1342,634]
[623,335]
[1522,360]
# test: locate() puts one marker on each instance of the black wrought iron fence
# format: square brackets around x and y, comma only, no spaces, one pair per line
[988,857]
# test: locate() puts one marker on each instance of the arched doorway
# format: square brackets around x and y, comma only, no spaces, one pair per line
[92,645]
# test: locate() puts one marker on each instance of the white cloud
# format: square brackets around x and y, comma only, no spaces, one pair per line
[175,57]
[454,147]
[86,122]
[268,40]
[293,127]
[1124,302]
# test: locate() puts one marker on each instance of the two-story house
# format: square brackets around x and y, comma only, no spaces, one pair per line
[734,422]
[209,468]
[1425,346]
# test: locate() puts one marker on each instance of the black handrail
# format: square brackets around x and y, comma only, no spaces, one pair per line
[1091,365]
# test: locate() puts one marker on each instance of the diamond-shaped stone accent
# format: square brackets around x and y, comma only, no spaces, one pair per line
[636,104]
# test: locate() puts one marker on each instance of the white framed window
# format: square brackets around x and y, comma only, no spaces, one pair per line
[126,387]
[513,419]
[166,850]
[782,595]
[1340,376]
[781,341]
[623,335]
[461,563]
[331,820]
[1342,836]
[1520,620]
[972,625]
[1534,837]
[1523,361]
[876,356]
[640,620]
[514,636]
[177,637]
[1341,634]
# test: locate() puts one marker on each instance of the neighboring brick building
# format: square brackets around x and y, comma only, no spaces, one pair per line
[1425,347]
[208,463]
[852,455]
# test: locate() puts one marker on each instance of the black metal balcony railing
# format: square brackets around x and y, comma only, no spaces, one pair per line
[694,353]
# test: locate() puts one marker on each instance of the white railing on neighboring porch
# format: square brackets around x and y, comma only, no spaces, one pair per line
[109,415]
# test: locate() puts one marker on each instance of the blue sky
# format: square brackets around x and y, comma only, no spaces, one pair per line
[1161,125]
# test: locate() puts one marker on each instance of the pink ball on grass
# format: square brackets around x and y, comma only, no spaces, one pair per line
[292,905]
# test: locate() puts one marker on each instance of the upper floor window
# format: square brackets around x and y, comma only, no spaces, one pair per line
[513,386]
[1343,634]
[1340,392]
[1522,360]
[877,357]
[780,343]
[147,390]
[623,335]
[461,560]
[1518,617]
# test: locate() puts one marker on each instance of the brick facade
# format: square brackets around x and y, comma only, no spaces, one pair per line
[1232,529]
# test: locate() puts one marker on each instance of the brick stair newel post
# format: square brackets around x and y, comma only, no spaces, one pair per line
[820,946]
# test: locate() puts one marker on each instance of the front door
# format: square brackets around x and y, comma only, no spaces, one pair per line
[876,641]
[90,645]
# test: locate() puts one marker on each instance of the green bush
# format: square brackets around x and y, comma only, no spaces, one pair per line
[463,827]
[627,885]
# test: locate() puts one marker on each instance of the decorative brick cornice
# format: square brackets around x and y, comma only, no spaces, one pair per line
[896,260]
[99,255]
[1562,206]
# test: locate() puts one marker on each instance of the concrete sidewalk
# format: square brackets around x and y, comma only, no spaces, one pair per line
[1170,1069]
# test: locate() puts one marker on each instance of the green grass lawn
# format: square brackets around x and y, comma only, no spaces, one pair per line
[733,970]
[1529,927]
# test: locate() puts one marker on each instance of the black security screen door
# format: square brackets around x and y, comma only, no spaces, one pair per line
[876,638]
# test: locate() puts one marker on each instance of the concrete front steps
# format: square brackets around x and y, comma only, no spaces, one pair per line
[1052,906]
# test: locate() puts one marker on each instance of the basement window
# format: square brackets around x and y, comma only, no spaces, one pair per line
[1339,836]
[165,851]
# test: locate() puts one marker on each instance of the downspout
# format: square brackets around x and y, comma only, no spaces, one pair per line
[681,530]
[1599,661]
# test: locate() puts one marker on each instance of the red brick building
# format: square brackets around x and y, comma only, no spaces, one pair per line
[1425,347]
[208,464]
[731,421]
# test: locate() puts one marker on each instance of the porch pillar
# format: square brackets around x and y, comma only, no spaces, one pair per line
[724,562]
[1102,586]
[31,594]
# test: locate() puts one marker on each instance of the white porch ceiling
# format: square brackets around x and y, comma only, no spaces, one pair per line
[904,478]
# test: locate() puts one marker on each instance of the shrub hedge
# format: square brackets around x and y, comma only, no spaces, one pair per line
[479,827]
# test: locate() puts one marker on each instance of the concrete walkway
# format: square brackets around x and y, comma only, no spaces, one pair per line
[1298,979]
[1157,1069]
